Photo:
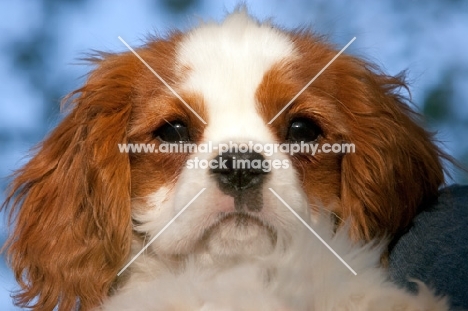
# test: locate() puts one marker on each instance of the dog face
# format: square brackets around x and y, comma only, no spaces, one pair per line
[237,214]
[81,200]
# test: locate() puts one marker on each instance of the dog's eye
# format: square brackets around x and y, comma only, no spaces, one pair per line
[172,132]
[303,129]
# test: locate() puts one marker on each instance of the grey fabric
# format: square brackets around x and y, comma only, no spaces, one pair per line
[435,249]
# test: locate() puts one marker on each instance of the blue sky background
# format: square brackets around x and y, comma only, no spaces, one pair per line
[42,40]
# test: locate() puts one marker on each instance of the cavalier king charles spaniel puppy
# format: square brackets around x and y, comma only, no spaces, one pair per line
[223,236]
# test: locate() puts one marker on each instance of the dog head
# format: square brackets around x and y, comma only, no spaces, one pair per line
[81,199]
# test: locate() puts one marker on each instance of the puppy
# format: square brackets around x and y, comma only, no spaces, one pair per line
[91,198]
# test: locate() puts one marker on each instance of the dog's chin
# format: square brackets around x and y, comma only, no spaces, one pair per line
[239,234]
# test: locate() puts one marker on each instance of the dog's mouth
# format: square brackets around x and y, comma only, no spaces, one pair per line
[239,233]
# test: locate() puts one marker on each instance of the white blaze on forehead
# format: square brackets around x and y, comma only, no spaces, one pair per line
[226,65]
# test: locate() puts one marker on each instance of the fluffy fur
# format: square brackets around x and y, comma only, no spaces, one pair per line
[306,276]
[81,208]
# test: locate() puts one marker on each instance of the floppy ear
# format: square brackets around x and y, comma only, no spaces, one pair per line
[71,202]
[396,167]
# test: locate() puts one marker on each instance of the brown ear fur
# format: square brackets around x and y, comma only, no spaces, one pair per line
[397,167]
[71,202]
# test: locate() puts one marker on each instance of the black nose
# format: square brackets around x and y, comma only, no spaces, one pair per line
[237,172]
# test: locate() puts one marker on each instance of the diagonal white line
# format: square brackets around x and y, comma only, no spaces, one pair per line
[160,232]
[162,80]
[313,79]
[313,231]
